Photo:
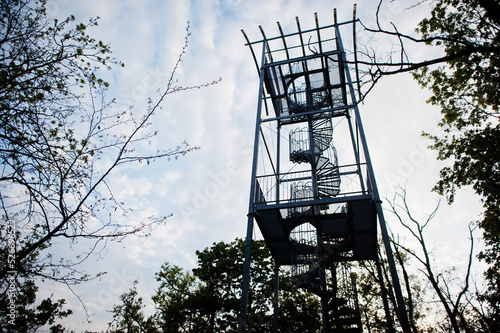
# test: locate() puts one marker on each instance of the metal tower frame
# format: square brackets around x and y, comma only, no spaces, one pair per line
[315,199]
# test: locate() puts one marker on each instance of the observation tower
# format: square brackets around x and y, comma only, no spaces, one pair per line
[313,192]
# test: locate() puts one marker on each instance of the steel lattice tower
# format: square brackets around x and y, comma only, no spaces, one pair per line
[313,192]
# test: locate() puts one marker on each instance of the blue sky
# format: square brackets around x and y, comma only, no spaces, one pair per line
[207,190]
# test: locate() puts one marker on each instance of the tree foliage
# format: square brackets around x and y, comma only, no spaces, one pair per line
[19,309]
[467,91]
[299,310]
[128,316]
[172,299]
[44,162]
[208,298]
[213,301]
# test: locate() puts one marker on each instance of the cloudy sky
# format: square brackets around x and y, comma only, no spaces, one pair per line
[207,190]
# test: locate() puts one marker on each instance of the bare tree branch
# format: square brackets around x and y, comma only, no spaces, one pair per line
[451,302]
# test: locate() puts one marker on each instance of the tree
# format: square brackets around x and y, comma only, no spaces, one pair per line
[299,310]
[60,140]
[207,300]
[220,270]
[18,309]
[375,297]
[174,312]
[467,91]
[129,317]
[461,306]
[465,83]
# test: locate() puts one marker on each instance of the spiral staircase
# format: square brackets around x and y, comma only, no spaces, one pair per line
[322,157]
[319,269]
[316,253]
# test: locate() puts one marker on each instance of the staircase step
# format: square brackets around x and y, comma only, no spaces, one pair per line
[328,187]
[323,165]
[328,192]
[301,248]
[344,311]
[336,302]
[339,247]
[333,183]
[322,132]
[313,286]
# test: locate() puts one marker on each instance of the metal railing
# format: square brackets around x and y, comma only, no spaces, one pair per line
[278,189]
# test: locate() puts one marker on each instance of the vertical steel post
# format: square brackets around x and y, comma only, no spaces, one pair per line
[248,244]
[276,297]
[312,151]
[278,158]
[390,324]
[355,147]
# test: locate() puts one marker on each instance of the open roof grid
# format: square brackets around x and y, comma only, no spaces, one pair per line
[300,43]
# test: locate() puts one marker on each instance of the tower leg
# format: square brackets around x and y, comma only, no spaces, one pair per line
[242,319]
[383,290]
[402,315]
[276,297]
[248,245]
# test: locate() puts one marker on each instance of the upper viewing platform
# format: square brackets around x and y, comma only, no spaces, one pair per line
[304,72]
